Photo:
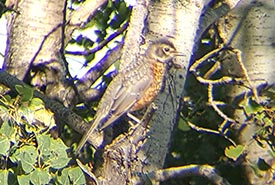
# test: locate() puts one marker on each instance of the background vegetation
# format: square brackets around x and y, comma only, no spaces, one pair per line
[37,143]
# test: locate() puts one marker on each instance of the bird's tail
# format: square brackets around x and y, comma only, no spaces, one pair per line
[86,136]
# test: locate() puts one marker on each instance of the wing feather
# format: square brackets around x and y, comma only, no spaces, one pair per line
[125,97]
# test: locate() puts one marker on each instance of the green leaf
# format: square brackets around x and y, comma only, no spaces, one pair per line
[4,176]
[4,111]
[115,23]
[46,117]
[40,176]
[8,177]
[64,177]
[77,176]
[27,156]
[25,91]
[58,158]
[233,152]
[24,179]
[251,107]
[7,130]
[182,125]
[27,113]
[44,142]
[12,179]
[8,98]
[262,165]
[5,145]
[36,104]
[87,43]
[89,57]
[123,10]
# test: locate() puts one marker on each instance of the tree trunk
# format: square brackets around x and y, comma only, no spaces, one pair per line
[34,43]
[251,28]
[141,153]
[35,38]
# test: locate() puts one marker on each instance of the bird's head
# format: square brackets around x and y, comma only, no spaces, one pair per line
[163,51]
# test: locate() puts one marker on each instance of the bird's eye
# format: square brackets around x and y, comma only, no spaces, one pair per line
[166,49]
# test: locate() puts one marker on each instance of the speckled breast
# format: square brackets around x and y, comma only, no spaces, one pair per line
[158,71]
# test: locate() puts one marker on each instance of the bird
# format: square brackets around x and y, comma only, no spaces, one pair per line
[135,87]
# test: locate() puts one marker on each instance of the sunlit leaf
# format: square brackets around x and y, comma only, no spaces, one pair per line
[7,177]
[64,177]
[7,129]
[26,113]
[4,176]
[27,156]
[36,104]
[46,117]
[5,145]
[40,176]
[59,158]
[44,142]
[24,179]
[234,152]
[251,107]
[77,176]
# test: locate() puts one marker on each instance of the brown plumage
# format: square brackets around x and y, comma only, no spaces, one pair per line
[135,87]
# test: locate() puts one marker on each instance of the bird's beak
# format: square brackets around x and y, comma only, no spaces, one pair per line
[177,53]
[176,62]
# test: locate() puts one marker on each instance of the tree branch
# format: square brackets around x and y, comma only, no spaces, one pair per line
[84,12]
[185,171]
[84,84]
[60,112]
[101,44]
[211,15]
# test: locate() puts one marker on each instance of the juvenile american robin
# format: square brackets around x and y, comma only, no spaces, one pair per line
[135,87]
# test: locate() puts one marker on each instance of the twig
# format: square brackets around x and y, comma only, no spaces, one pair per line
[190,170]
[211,54]
[209,131]
[253,88]
[214,105]
[102,44]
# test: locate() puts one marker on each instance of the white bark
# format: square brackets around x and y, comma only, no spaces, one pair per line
[251,28]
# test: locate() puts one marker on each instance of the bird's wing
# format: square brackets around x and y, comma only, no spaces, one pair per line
[117,100]
[103,110]
[125,96]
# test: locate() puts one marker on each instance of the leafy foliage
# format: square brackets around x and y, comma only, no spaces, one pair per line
[28,153]
[104,27]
